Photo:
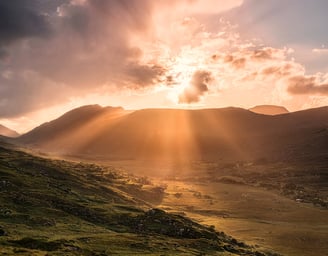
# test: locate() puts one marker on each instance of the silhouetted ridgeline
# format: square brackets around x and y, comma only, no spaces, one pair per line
[207,134]
[269,110]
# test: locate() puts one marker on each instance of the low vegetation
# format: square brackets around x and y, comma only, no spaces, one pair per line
[56,207]
[303,181]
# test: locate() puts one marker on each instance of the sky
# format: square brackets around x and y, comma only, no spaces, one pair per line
[56,55]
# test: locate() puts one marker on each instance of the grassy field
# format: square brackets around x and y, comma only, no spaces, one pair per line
[280,206]
[56,207]
[254,215]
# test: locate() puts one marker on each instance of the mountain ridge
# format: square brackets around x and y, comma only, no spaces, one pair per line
[269,110]
[228,133]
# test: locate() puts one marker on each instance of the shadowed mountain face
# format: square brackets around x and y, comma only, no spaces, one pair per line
[179,135]
[269,110]
[7,132]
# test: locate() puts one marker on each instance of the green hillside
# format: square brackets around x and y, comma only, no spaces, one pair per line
[55,207]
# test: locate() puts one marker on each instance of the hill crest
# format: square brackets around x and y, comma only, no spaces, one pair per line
[269,110]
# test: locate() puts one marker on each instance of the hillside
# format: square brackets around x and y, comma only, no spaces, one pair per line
[80,119]
[269,110]
[230,134]
[55,207]
[8,132]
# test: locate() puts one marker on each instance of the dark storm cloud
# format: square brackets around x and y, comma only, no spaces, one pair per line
[198,86]
[21,19]
[306,85]
[101,50]
[107,17]
[90,45]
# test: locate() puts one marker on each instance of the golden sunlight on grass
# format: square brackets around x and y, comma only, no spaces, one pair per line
[250,214]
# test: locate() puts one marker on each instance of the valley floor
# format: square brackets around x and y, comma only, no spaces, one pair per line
[254,215]
[279,206]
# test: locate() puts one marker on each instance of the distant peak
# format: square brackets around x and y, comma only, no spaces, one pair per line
[269,110]
[7,132]
[93,108]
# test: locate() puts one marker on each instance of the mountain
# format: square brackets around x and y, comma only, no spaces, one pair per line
[69,123]
[228,134]
[7,132]
[269,110]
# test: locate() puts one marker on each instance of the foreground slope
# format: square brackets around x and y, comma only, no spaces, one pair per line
[55,207]
[229,134]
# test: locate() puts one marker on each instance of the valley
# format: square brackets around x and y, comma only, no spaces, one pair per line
[278,206]
[167,182]
[254,215]
[56,207]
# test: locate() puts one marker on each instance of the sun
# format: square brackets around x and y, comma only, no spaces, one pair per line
[175,92]
[182,68]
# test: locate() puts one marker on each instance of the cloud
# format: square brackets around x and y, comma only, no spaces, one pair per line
[72,49]
[54,52]
[100,49]
[144,75]
[320,50]
[281,22]
[264,53]
[21,19]
[306,85]
[198,86]
[241,56]
[212,6]
[27,91]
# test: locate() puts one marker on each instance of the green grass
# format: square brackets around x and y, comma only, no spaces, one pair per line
[55,207]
